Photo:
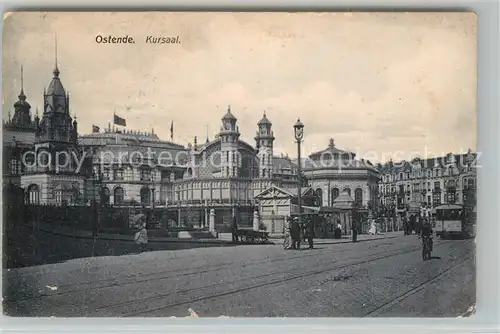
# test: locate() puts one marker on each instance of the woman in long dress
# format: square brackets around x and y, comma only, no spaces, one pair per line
[141,235]
[373,228]
[287,242]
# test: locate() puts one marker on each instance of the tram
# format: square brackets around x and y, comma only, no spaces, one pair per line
[451,220]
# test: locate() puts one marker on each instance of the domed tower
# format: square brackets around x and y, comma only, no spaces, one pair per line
[22,118]
[229,136]
[56,124]
[264,141]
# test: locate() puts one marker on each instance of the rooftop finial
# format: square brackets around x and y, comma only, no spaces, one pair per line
[331,144]
[21,96]
[56,69]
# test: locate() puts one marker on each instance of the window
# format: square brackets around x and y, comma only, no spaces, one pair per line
[470,183]
[118,195]
[145,195]
[335,193]
[450,197]
[145,174]
[106,174]
[436,199]
[437,186]
[358,196]
[15,167]
[33,194]
[104,195]
[348,191]
[118,174]
[401,189]
[319,196]
[454,214]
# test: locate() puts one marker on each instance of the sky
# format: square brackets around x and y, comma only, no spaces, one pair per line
[380,84]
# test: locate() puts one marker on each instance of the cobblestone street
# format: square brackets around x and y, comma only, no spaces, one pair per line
[385,277]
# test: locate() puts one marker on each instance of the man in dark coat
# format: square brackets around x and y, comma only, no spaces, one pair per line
[234,228]
[354,229]
[295,234]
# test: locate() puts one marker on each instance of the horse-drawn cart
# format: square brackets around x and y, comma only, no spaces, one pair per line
[252,237]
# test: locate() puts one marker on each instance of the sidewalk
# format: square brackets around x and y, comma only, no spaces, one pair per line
[348,238]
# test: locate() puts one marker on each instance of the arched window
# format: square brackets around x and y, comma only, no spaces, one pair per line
[319,196]
[335,193]
[358,196]
[145,195]
[118,195]
[348,191]
[33,194]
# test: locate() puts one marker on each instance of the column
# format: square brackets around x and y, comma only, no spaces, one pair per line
[206,217]
[211,224]
[255,220]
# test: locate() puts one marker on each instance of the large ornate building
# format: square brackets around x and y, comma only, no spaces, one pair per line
[332,171]
[224,175]
[422,184]
[51,174]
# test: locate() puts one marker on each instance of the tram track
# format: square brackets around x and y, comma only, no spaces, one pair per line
[171,273]
[292,275]
[380,308]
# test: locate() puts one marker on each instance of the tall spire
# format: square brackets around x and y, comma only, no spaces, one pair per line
[21,96]
[56,69]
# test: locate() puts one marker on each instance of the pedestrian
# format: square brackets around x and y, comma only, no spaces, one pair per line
[310,234]
[295,234]
[354,229]
[373,228]
[303,230]
[338,230]
[287,242]
[141,233]
[234,228]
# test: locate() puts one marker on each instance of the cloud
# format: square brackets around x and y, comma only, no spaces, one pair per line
[381,82]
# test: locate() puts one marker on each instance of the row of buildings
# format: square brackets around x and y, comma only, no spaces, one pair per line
[56,165]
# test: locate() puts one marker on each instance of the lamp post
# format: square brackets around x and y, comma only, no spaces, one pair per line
[299,134]
[97,207]
[152,198]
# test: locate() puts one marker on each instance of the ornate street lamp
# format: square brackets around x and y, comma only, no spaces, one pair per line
[299,135]
[98,177]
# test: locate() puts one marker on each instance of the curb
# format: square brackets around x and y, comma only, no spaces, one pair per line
[150,240]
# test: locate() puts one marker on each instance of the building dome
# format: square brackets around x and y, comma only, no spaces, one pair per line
[228,115]
[56,87]
[264,120]
[332,153]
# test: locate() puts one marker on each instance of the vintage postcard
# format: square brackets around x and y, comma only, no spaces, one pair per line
[226,164]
